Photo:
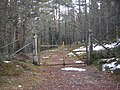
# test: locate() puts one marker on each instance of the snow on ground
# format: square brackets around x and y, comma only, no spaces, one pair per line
[112,45]
[7,61]
[108,66]
[82,48]
[109,59]
[79,62]
[52,50]
[73,69]
[19,86]
[17,65]
[117,67]
[97,48]
[47,57]
[70,54]
[80,53]
[66,49]
[111,66]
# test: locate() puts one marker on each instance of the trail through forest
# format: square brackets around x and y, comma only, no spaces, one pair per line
[56,77]
[90,79]
[90,27]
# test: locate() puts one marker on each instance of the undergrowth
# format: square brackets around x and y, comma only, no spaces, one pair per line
[15,69]
[104,54]
[10,69]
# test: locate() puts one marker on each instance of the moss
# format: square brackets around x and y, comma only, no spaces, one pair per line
[9,69]
[25,74]
[3,80]
[27,66]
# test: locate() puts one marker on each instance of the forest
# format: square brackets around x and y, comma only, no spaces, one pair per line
[45,37]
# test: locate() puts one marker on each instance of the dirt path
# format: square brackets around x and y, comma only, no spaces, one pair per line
[54,78]
[91,79]
[70,80]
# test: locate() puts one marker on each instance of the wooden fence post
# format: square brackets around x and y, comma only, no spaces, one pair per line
[35,50]
[63,54]
[90,46]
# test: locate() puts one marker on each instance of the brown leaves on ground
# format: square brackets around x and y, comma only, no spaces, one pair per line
[53,78]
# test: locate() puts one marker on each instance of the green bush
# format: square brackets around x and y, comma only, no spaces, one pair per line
[117,51]
[103,54]
[97,55]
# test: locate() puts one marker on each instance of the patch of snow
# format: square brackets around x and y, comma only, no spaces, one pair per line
[46,57]
[82,48]
[17,65]
[117,59]
[7,61]
[111,66]
[80,53]
[71,54]
[65,49]
[73,69]
[97,48]
[79,62]
[109,59]
[52,50]
[19,86]
[118,66]
[112,45]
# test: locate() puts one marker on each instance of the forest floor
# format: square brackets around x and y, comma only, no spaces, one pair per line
[52,77]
